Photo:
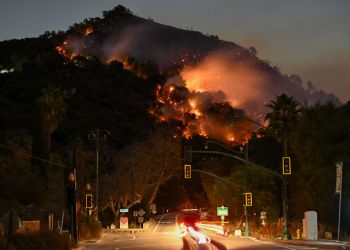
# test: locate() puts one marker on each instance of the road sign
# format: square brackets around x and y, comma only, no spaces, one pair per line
[124,222]
[338,180]
[222,211]
[140,219]
[141,212]
[286,166]
[123,210]
[263,215]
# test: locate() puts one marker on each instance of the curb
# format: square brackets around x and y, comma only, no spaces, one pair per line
[330,245]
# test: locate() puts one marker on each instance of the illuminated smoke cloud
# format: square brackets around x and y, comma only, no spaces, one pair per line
[217,80]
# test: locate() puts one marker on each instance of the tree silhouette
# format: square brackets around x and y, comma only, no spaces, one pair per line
[283,116]
[52,108]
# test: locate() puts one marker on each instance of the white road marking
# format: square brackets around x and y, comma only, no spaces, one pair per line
[267,243]
[158,223]
[132,236]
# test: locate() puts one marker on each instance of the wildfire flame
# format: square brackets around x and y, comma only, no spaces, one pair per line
[201,113]
[88,31]
[197,103]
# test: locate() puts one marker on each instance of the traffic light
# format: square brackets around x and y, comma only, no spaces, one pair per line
[286,166]
[248,199]
[88,201]
[188,171]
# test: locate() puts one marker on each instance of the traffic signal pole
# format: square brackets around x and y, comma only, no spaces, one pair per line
[246,230]
[286,234]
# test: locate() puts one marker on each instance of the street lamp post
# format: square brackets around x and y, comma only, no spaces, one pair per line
[95,135]
[72,196]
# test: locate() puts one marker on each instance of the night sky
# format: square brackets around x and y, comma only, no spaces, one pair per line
[310,38]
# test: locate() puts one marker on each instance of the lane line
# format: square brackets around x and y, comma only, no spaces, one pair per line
[272,244]
[158,223]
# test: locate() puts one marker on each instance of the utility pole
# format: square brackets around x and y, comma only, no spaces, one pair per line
[286,233]
[95,135]
[339,176]
[72,205]
[247,230]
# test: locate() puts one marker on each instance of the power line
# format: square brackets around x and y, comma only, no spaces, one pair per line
[34,157]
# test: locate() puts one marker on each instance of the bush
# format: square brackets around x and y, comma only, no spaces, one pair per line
[38,241]
[91,231]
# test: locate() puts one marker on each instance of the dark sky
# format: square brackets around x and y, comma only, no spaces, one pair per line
[310,38]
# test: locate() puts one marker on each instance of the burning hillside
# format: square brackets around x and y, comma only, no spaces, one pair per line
[216,83]
[203,113]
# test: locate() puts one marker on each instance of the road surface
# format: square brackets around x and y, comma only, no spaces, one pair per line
[164,235]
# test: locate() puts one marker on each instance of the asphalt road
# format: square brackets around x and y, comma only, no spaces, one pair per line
[164,236]
[171,241]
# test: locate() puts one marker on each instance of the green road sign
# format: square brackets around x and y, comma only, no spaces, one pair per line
[222,211]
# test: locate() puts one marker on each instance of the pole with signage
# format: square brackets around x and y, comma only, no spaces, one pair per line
[338,188]
[222,212]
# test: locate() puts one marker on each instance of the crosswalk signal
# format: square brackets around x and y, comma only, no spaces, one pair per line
[248,199]
[88,201]
[188,171]
[286,166]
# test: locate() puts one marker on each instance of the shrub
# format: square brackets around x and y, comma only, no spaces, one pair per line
[93,230]
[38,241]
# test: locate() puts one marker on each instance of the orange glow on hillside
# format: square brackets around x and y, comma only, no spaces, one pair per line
[88,31]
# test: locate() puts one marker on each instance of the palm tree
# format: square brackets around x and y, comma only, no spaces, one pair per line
[282,118]
[52,109]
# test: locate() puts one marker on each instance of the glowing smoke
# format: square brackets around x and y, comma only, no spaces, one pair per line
[217,80]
